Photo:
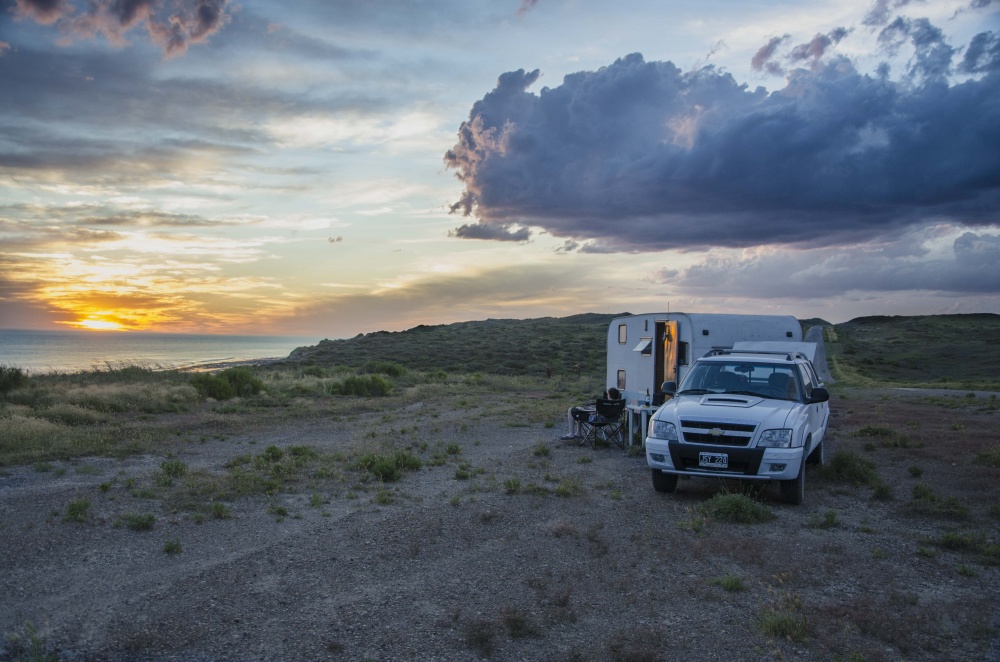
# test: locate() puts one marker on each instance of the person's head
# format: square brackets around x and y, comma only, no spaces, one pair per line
[614,394]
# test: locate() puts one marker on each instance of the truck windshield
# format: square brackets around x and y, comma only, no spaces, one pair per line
[768,380]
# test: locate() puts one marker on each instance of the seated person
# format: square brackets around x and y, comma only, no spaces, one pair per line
[575,416]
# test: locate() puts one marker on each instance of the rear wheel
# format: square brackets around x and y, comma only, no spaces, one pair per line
[664,482]
[794,491]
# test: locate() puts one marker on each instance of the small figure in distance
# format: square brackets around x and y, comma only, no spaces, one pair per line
[575,415]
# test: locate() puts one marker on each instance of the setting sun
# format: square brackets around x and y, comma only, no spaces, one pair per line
[98,325]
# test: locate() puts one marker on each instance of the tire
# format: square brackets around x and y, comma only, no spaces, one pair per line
[816,457]
[664,482]
[793,491]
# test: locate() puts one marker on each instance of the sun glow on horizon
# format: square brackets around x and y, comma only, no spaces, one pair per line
[98,325]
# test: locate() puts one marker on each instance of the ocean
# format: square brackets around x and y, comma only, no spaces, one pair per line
[74,351]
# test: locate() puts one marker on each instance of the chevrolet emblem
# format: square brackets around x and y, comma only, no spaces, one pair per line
[716,432]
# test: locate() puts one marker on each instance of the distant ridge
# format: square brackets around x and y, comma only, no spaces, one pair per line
[925,349]
[546,345]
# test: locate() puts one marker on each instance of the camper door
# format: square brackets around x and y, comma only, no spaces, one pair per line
[665,358]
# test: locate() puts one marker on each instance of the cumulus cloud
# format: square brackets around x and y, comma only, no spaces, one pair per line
[640,156]
[173,26]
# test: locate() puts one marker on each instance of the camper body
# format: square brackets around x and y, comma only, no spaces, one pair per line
[646,350]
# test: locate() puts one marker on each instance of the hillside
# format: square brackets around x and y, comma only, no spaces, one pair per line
[957,350]
[559,345]
[923,349]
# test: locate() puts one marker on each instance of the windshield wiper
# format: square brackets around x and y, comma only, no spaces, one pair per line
[694,391]
[756,395]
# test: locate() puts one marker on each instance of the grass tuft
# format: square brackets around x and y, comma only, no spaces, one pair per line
[737,509]
[137,521]
[77,511]
[731,583]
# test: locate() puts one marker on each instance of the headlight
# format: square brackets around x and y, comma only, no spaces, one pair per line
[776,438]
[662,430]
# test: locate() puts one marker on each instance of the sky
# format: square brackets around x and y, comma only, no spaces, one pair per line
[333,167]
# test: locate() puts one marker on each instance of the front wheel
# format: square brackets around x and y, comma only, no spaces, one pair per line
[794,491]
[664,482]
[816,457]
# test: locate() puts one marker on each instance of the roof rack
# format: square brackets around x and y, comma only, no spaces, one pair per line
[789,356]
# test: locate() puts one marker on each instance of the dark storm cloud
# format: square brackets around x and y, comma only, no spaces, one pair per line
[642,156]
[932,55]
[982,55]
[494,232]
[173,26]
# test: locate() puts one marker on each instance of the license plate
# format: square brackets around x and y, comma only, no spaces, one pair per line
[713,460]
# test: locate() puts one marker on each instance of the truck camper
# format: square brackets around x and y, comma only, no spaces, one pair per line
[644,351]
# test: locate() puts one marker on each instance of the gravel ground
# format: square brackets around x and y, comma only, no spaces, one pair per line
[461,569]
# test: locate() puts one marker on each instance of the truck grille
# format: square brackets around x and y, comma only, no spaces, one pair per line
[717,433]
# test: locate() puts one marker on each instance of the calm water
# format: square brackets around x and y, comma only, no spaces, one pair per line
[72,351]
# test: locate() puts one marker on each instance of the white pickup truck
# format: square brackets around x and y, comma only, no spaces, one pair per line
[752,414]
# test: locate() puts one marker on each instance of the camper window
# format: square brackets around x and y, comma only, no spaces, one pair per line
[645,346]
[622,334]
[621,380]
[682,353]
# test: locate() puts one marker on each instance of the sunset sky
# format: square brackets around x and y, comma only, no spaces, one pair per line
[324,168]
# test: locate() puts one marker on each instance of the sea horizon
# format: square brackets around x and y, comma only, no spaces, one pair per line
[65,351]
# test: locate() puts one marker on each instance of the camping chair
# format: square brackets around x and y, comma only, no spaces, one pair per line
[607,424]
[582,416]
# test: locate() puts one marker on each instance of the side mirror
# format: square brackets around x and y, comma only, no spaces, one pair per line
[670,388]
[819,394]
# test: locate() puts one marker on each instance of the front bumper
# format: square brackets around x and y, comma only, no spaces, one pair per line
[745,463]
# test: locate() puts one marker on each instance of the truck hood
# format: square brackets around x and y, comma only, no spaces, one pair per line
[763,412]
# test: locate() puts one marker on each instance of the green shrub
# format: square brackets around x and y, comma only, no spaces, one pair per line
[389,468]
[69,414]
[847,467]
[736,508]
[512,485]
[827,520]
[882,491]
[11,378]
[384,367]
[272,454]
[874,431]
[213,386]
[137,521]
[730,582]
[362,385]
[77,511]
[243,380]
[173,468]
[784,619]
[989,456]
